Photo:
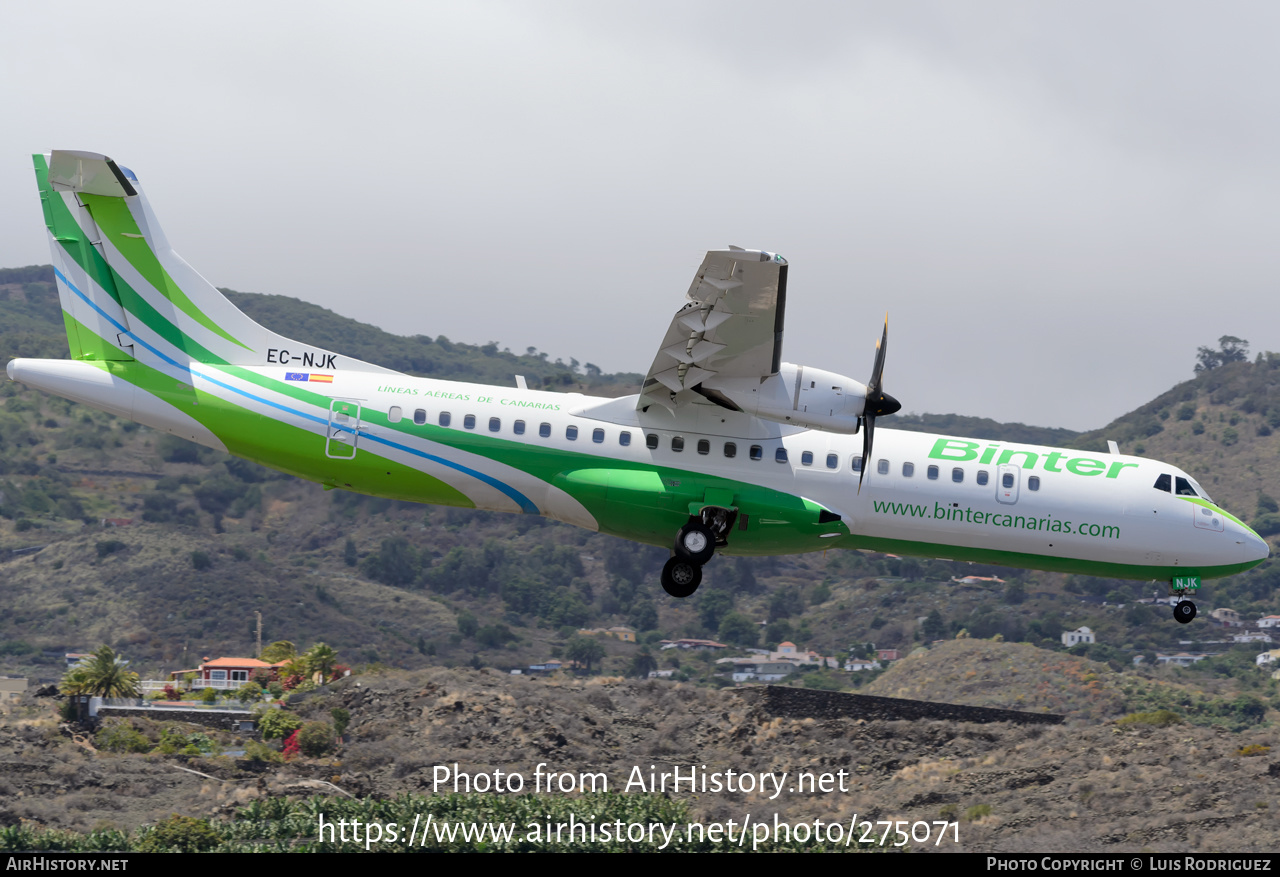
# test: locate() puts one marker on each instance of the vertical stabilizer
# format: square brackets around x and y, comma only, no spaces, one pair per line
[127,295]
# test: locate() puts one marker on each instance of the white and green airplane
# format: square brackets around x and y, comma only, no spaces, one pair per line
[726,448]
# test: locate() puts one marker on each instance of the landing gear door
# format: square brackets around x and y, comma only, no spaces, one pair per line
[344,429]
[1008,480]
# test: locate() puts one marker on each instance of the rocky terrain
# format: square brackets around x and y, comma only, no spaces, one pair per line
[1084,785]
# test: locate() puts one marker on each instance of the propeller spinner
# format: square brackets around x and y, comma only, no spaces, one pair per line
[877,403]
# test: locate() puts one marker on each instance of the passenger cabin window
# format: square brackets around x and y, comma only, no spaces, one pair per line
[677,443]
[882,467]
[1184,487]
[1165,483]
[704,447]
[624,438]
[857,464]
[597,436]
[982,476]
[806,458]
[445,418]
[394,414]
[469,421]
[419,416]
[1033,483]
[544,430]
[757,452]
[651,441]
[833,461]
[730,449]
[932,473]
[957,475]
[571,433]
[1006,480]
[780,455]
[495,424]
[518,427]
[908,469]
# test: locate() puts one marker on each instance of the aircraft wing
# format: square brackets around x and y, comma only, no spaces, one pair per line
[730,327]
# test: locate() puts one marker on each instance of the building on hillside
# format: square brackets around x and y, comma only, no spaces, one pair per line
[1078,636]
[978,580]
[1181,659]
[1266,658]
[228,673]
[11,688]
[755,669]
[1227,617]
[888,655]
[1253,636]
[693,645]
[1269,621]
[855,665]
[626,634]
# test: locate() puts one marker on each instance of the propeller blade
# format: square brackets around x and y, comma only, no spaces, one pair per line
[869,428]
[877,403]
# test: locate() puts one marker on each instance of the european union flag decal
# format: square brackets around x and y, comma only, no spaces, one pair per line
[297,376]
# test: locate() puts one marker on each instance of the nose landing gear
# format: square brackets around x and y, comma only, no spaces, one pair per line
[1184,587]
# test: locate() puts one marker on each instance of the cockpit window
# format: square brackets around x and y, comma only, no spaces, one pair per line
[1204,494]
[1165,483]
[1185,488]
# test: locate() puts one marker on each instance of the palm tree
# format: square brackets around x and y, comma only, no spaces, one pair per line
[320,658]
[102,674]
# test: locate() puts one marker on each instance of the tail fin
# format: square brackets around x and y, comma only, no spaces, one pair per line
[126,294]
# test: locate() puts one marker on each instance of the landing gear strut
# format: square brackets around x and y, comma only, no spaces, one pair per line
[1184,611]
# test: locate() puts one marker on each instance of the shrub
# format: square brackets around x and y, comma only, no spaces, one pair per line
[183,834]
[200,560]
[1253,749]
[255,750]
[277,724]
[109,546]
[1157,718]
[116,735]
[314,739]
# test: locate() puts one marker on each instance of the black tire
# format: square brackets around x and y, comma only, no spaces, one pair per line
[696,542]
[681,577]
[1184,612]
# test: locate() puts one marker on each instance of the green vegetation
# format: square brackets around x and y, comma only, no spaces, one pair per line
[281,825]
[102,674]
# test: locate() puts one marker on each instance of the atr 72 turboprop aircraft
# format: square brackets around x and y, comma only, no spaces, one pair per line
[726,448]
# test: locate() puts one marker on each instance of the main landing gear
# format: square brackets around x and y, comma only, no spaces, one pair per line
[696,544]
[1183,612]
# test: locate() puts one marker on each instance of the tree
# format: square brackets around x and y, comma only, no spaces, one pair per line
[280,650]
[642,664]
[584,650]
[739,630]
[103,674]
[320,658]
[1230,349]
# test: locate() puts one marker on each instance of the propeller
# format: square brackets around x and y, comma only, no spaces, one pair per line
[877,403]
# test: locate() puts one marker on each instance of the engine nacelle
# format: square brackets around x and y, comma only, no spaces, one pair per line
[798,395]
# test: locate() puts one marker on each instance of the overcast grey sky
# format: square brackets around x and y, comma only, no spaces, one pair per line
[1056,203]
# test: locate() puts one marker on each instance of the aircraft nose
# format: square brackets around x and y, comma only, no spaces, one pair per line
[1253,546]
